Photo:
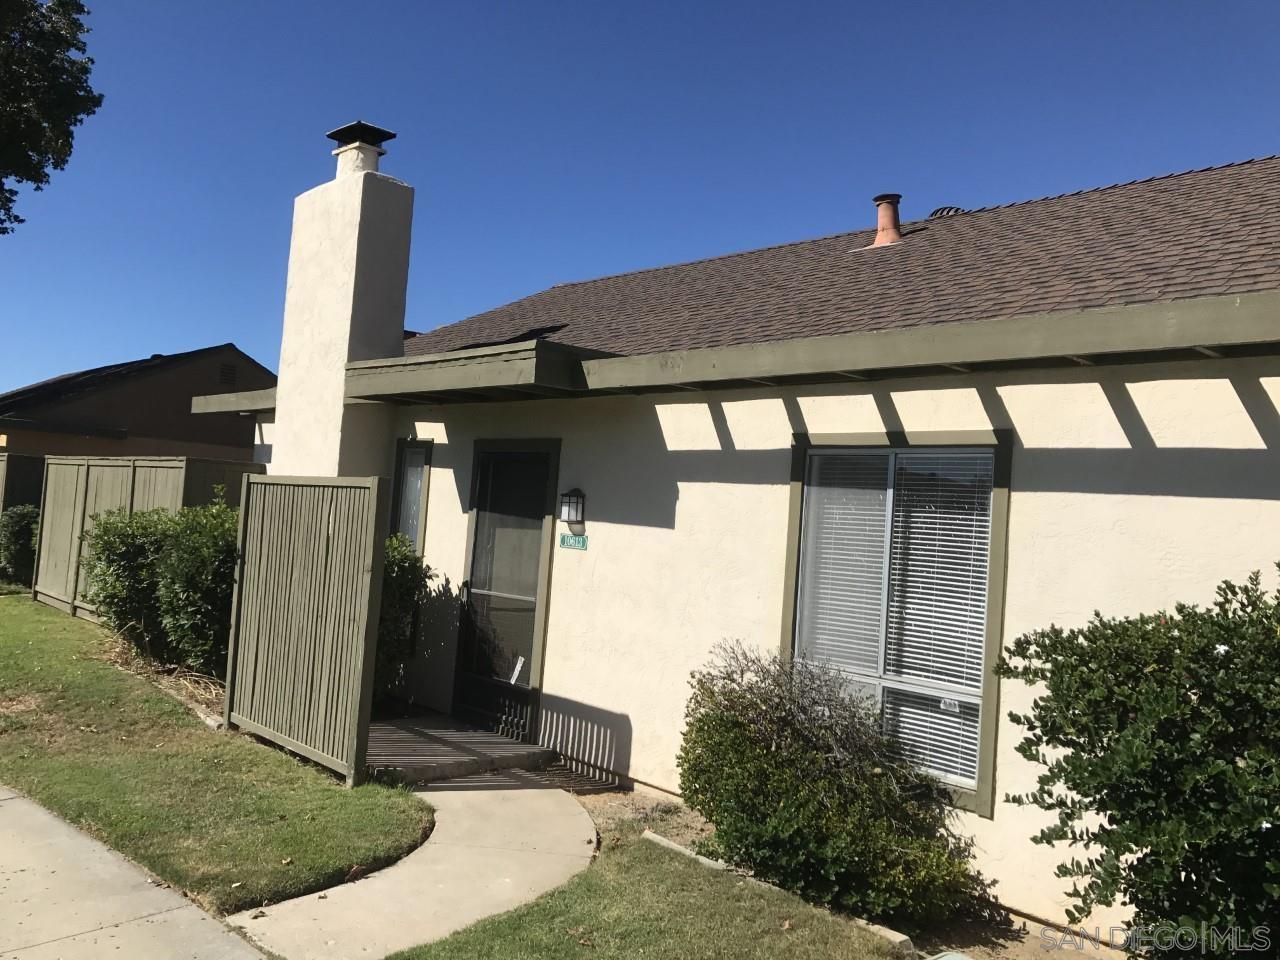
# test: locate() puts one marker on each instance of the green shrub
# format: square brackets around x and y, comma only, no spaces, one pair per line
[807,792]
[19,527]
[196,578]
[406,584]
[121,563]
[1160,739]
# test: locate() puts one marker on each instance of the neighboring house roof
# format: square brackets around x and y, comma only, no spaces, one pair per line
[64,386]
[1209,232]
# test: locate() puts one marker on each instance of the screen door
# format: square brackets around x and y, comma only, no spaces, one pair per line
[496,682]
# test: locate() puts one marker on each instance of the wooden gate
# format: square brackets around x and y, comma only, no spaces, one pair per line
[305,620]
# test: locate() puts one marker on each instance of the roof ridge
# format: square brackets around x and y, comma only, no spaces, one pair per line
[1115,186]
[20,394]
[852,233]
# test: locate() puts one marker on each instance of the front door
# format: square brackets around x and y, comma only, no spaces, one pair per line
[500,644]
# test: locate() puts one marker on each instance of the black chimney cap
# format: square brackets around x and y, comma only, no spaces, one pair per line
[360,132]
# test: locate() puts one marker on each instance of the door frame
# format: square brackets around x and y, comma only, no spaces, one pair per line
[551,447]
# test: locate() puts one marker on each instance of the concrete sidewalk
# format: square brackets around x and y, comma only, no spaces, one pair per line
[500,840]
[65,896]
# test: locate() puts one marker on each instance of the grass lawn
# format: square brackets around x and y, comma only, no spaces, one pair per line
[639,900]
[231,821]
[7,588]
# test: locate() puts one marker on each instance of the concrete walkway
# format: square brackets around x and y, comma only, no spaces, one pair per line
[65,896]
[500,840]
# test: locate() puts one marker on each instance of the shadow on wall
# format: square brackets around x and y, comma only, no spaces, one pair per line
[595,743]
[633,469]
[428,675]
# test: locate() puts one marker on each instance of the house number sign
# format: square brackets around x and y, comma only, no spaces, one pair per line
[571,541]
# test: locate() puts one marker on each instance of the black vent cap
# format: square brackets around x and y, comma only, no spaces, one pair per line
[360,132]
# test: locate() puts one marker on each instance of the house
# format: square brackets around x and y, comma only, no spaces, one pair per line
[892,450]
[139,407]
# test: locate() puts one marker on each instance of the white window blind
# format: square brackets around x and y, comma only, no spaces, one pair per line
[937,609]
[893,588]
[842,592]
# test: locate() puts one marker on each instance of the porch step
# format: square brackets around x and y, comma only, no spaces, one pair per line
[431,748]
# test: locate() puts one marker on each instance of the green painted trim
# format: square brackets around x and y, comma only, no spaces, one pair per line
[246,401]
[233,640]
[492,351]
[400,380]
[532,363]
[908,438]
[1181,324]
[35,572]
[980,800]
[800,447]
[375,523]
[541,607]
[404,444]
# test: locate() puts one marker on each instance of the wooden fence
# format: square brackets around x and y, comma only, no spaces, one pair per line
[304,625]
[76,489]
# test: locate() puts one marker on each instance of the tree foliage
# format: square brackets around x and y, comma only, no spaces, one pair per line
[44,93]
[406,588]
[18,529]
[1160,739]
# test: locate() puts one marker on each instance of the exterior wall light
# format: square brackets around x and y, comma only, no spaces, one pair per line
[573,506]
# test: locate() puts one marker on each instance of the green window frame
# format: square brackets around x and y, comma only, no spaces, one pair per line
[979,796]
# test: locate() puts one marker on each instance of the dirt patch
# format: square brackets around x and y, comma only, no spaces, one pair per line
[1010,938]
[17,713]
[648,809]
[12,706]
[200,693]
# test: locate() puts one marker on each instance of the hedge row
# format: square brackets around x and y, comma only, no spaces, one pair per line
[164,581]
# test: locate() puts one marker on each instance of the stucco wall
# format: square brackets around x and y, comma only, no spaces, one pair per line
[344,300]
[1131,488]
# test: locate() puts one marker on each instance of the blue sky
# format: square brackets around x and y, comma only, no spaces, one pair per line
[556,141]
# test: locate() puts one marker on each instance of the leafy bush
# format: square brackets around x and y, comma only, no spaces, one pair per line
[196,577]
[122,566]
[806,791]
[1160,738]
[164,581]
[19,527]
[406,585]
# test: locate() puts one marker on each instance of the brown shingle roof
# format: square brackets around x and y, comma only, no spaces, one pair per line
[65,385]
[1202,233]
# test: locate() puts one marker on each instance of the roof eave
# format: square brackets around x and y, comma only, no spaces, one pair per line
[529,368]
[245,401]
[1071,336]
[538,369]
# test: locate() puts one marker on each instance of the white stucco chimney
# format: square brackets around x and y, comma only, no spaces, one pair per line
[344,300]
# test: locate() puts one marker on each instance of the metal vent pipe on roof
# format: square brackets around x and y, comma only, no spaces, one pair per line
[888,229]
